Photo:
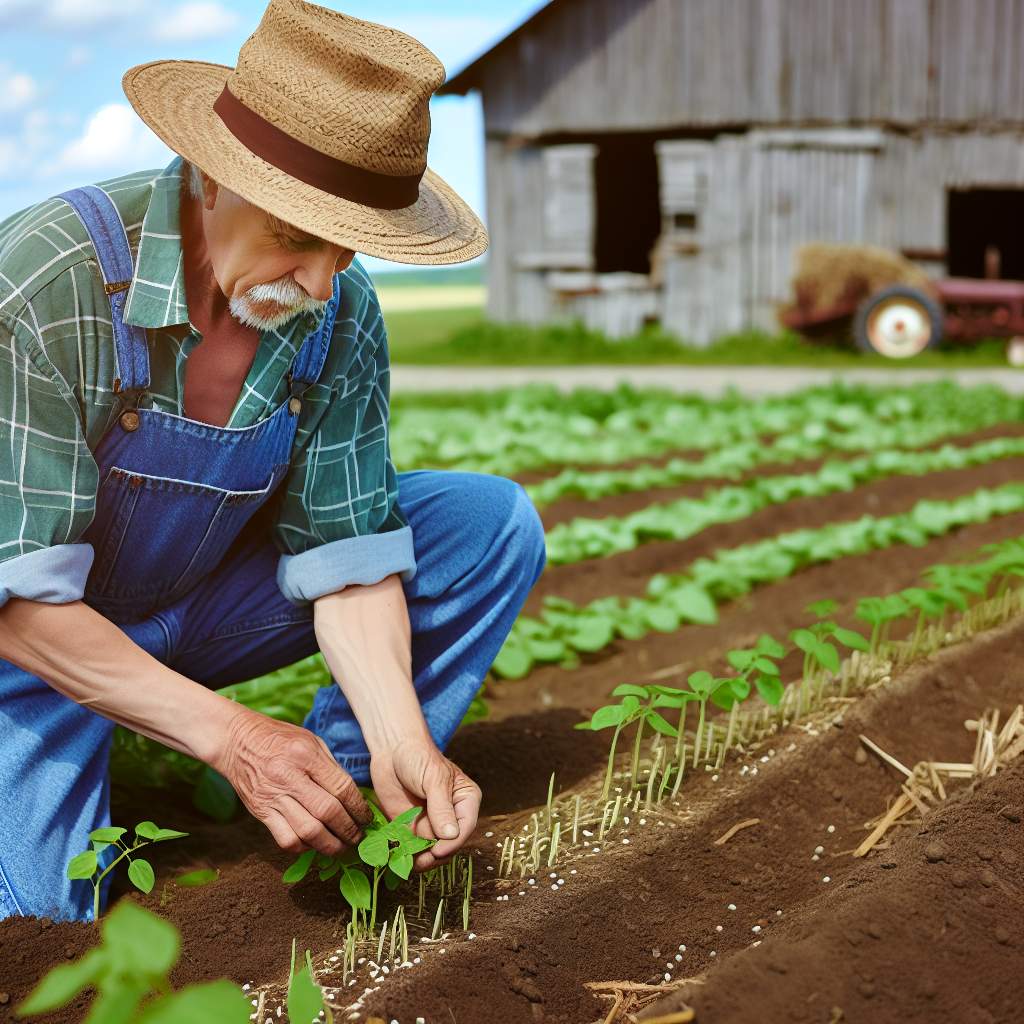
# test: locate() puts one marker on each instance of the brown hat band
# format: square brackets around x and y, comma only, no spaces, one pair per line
[294,157]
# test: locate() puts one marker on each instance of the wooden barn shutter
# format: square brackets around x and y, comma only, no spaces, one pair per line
[568,176]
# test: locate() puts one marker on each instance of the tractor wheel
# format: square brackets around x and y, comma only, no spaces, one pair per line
[898,322]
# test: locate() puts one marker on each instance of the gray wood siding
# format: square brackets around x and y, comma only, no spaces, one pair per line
[605,65]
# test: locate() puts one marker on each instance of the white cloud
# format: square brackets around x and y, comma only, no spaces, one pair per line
[17,89]
[114,138]
[200,20]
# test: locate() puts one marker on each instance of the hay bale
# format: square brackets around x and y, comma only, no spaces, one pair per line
[830,276]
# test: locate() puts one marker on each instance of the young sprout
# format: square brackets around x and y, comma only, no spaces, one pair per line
[627,711]
[387,849]
[140,872]
[136,954]
[305,997]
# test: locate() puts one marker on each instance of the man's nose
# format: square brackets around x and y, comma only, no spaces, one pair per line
[316,274]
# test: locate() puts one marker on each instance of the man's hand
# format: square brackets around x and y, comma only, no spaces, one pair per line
[288,779]
[414,773]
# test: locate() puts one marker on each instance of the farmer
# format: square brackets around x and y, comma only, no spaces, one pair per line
[195,469]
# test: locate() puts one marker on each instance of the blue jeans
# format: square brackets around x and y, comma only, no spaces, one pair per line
[479,548]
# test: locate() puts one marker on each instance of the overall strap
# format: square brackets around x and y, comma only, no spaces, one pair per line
[106,229]
[309,360]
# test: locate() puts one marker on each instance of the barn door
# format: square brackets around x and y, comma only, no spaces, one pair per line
[677,262]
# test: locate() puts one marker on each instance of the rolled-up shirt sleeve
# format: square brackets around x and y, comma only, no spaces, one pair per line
[48,477]
[340,522]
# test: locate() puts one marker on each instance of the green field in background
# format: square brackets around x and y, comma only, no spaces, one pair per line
[463,337]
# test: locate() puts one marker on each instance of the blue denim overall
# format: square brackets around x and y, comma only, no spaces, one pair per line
[176,571]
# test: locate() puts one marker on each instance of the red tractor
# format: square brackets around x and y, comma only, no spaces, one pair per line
[897,320]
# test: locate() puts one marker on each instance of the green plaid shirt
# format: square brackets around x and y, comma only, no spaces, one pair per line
[337,521]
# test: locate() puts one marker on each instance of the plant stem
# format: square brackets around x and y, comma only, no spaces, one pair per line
[611,763]
[635,765]
[700,731]
[377,872]
[681,735]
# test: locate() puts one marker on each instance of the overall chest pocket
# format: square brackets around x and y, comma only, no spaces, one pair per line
[157,536]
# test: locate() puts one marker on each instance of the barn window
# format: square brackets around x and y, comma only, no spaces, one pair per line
[984,237]
[627,207]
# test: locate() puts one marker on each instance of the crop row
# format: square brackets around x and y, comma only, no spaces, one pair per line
[962,588]
[525,434]
[565,628]
[584,538]
[812,441]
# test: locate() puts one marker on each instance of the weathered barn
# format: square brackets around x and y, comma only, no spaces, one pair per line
[660,160]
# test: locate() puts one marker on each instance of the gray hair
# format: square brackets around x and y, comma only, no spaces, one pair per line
[194,178]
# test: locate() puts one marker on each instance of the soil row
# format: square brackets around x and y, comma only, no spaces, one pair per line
[943,935]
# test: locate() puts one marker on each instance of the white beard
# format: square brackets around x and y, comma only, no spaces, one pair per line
[284,292]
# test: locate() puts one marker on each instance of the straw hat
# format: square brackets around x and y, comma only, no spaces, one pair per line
[324,123]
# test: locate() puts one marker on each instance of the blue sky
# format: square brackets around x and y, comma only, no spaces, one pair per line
[64,120]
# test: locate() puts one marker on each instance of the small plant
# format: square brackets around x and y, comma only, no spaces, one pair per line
[629,710]
[140,871]
[387,849]
[131,964]
[305,997]
[814,640]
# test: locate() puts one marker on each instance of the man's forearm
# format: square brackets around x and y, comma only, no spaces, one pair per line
[88,658]
[365,637]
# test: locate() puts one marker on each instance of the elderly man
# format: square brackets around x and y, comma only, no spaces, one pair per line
[196,477]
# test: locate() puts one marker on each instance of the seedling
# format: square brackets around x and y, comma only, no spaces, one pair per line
[140,871]
[629,710]
[137,952]
[387,849]
[305,997]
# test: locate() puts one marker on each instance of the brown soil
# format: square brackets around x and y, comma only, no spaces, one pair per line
[670,885]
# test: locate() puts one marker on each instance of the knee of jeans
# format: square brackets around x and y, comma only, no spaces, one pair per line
[528,530]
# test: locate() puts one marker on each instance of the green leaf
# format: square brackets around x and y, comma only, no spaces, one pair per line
[107,835]
[64,982]
[355,887]
[147,829]
[513,661]
[770,688]
[627,689]
[193,879]
[215,796]
[407,817]
[592,634]
[83,865]
[140,873]
[610,715]
[659,724]
[139,942]
[298,870]
[702,683]
[401,863]
[770,647]
[167,833]
[820,609]
[391,880]
[374,849]
[827,655]
[410,843]
[305,999]
[850,638]
[213,1002]
[663,618]
[741,660]
[805,640]
[693,604]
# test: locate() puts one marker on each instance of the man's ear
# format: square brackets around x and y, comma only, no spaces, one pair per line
[210,191]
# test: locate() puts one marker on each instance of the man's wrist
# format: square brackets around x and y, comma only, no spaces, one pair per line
[384,737]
